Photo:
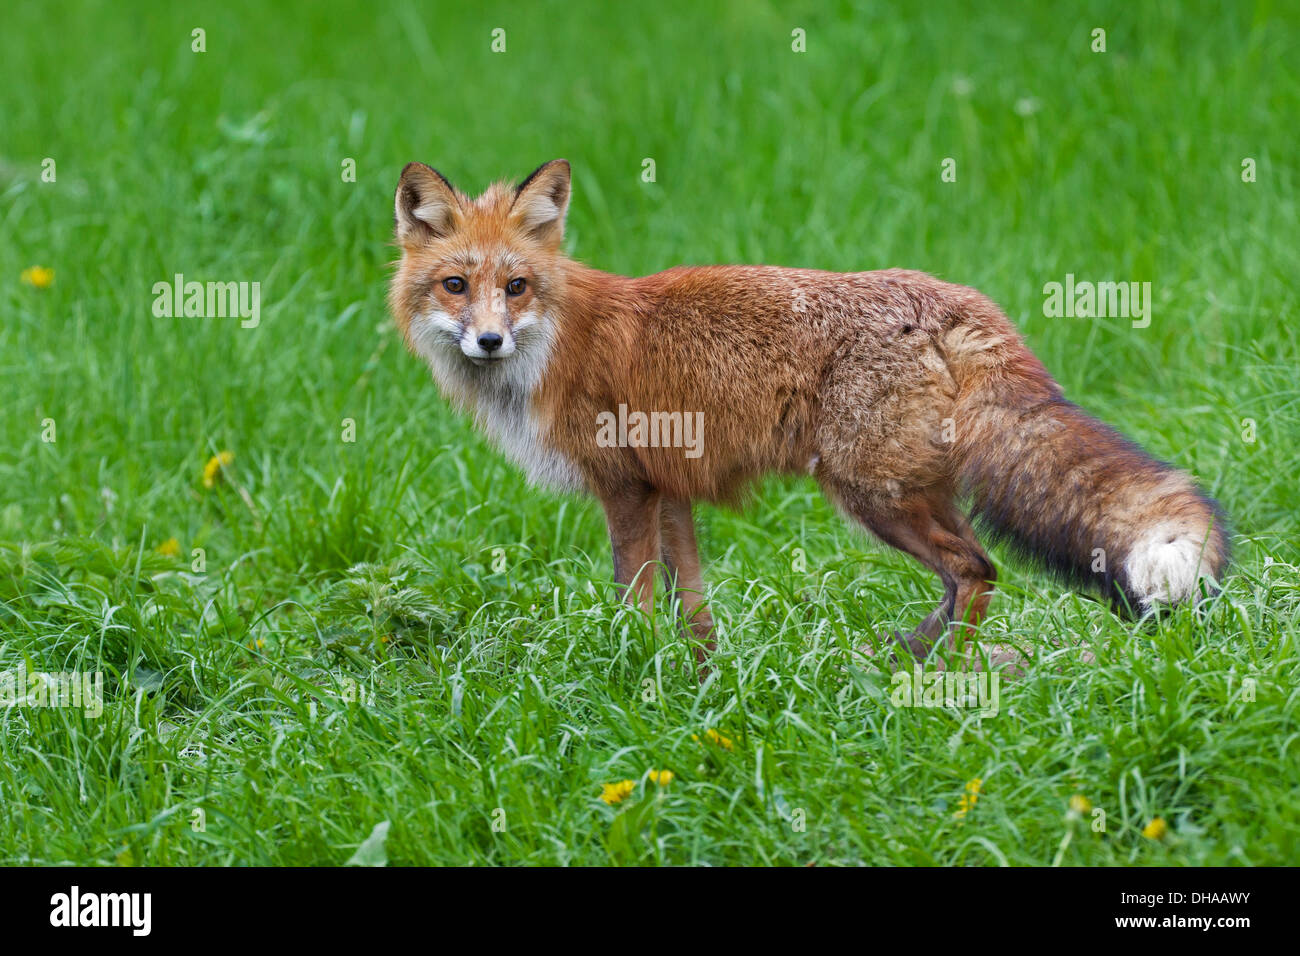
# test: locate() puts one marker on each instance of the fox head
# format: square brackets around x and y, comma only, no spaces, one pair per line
[478,276]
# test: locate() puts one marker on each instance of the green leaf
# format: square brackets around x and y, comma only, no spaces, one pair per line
[372,851]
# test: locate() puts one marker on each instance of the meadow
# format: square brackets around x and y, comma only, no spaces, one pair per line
[360,636]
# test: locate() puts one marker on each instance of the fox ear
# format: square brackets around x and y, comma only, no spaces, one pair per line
[426,204]
[542,200]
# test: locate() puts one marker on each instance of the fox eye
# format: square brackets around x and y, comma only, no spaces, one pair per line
[454,284]
[516,286]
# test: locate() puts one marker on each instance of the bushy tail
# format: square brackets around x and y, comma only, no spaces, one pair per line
[1074,494]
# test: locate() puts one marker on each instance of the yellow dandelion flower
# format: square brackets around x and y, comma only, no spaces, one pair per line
[967,801]
[257,644]
[215,466]
[662,777]
[714,738]
[1080,804]
[613,793]
[171,548]
[38,277]
[1156,829]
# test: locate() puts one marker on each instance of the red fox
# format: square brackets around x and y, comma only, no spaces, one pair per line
[901,394]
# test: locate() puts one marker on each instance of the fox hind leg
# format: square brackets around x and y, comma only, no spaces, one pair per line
[977,575]
[929,527]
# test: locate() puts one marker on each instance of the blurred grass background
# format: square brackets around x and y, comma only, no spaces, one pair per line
[373,562]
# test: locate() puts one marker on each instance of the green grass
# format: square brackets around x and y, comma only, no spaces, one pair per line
[510,680]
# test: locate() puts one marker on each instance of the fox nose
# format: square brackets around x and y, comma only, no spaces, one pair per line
[489,341]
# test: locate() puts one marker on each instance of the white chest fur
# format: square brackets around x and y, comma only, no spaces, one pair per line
[500,396]
[508,419]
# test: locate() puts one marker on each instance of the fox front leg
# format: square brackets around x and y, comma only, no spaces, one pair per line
[681,565]
[632,515]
